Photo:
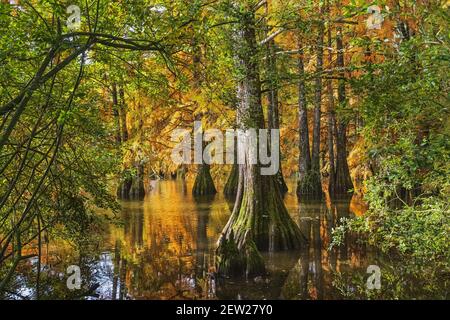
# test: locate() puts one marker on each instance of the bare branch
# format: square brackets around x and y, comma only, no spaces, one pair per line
[272,36]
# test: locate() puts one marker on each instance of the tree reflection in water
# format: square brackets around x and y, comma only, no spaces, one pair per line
[164,249]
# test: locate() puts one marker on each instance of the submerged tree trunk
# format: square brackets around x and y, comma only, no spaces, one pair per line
[126,181]
[204,184]
[259,220]
[131,184]
[309,185]
[343,180]
[331,121]
[315,154]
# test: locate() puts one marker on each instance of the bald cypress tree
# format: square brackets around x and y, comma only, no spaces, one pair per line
[260,220]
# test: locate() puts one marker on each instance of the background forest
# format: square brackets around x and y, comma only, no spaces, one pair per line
[358,89]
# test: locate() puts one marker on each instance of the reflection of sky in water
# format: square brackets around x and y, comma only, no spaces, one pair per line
[164,249]
[104,275]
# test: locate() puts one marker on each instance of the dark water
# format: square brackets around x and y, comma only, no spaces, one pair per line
[164,249]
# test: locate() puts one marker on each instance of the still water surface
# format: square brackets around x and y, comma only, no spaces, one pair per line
[164,249]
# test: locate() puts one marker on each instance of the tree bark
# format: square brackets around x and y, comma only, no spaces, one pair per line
[259,220]
[331,121]
[304,163]
[273,114]
[315,156]
[343,180]
[204,184]
[115,110]
[309,182]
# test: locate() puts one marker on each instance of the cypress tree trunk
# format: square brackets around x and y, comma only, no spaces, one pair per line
[309,182]
[273,114]
[132,185]
[304,164]
[343,180]
[331,121]
[126,181]
[315,156]
[259,220]
[204,184]
[137,190]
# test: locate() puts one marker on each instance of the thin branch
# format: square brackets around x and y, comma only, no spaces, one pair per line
[272,36]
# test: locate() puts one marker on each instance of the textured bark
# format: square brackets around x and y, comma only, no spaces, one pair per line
[342,176]
[259,220]
[304,163]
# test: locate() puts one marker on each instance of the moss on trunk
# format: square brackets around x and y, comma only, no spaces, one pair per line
[259,221]
[309,186]
[232,259]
